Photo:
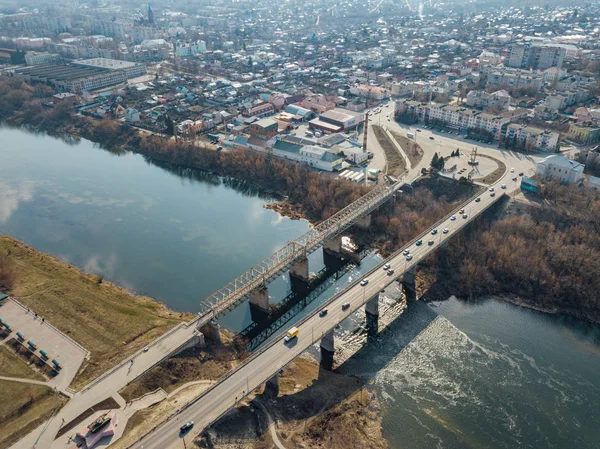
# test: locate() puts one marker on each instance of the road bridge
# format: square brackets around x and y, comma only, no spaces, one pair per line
[267,362]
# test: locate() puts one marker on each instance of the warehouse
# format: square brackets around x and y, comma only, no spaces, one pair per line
[336,120]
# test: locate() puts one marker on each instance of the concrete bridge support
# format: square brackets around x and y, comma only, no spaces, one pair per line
[211,331]
[364,222]
[260,298]
[334,246]
[299,276]
[273,384]
[409,285]
[372,315]
[327,351]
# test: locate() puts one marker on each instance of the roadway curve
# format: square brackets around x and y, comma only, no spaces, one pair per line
[224,395]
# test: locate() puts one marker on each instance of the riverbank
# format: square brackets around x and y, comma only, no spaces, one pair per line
[107,320]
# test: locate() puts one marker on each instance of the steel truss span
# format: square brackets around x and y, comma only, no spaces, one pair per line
[264,272]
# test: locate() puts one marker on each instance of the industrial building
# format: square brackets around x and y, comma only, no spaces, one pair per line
[336,120]
[72,78]
[131,69]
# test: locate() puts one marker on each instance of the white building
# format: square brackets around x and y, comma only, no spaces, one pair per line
[481,99]
[530,137]
[561,169]
[38,58]
[183,49]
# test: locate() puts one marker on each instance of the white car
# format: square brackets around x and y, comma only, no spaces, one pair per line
[364,282]
[512,170]
[491,189]
[503,186]
[409,257]
[453,217]
[386,267]
[445,231]
[405,252]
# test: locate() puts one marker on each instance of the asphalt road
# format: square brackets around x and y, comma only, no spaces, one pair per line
[223,396]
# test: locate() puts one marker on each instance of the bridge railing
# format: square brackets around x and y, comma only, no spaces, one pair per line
[282,259]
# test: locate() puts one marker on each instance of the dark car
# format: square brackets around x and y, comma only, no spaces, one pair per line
[431,242]
[187,426]
[390,272]
[431,138]
[521,174]
[323,312]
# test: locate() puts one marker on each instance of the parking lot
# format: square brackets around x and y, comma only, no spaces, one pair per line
[36,329]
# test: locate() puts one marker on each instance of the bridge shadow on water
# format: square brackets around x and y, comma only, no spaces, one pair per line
[308,390]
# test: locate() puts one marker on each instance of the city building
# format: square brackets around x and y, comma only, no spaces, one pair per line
[336,120]
[72,78]
[583,134]
[513,78]
[560,168]
[530,138]
[481,99]
[535,56]
[183,49]
[264,128]
[131,69]
[38,58]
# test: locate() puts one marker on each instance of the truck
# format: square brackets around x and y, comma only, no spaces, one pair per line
[291,334]
[410,135]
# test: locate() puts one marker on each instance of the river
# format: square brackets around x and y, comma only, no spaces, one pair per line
[450,375]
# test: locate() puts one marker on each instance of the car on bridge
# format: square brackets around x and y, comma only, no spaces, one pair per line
[445,231]
[364,282]
[322,313]
[405,252]
[385,268]
[478,199]
[433,231]
[453,217]
[186,427]
[465,216]
[431,242]
[419,242]
[409,257]
[345,305]
[390,272]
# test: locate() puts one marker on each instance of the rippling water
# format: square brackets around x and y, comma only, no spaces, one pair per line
[485,375]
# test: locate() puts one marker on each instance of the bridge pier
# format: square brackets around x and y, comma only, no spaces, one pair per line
[409,285]
[211,331]
[372,315]
[273,384]
[260,298]
[334,246]
[299,276]
[364,222]
[327,351]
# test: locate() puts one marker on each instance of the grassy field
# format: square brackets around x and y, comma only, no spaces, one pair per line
[12,365]
[394,160]
[24,407]
[412,150]
[107,320]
